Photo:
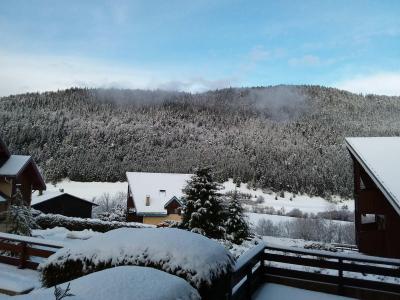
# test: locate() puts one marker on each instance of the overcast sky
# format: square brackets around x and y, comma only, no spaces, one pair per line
[198,44]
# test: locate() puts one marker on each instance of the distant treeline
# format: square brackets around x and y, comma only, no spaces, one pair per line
[285,137]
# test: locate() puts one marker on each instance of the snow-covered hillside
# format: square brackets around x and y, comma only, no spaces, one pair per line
[94,190]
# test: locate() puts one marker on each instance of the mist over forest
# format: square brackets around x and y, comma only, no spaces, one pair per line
[283,137]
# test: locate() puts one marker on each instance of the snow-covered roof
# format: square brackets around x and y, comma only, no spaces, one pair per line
[49,195]
[14,165]
[380,157]
[161,187]
[2,199]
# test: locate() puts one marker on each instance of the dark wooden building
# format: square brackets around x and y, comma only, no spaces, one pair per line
[63,204]
[376,162]
[18,173]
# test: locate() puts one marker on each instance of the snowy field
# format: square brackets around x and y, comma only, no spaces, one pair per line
[89,190]
[254,218]
[94,190]
[303,202]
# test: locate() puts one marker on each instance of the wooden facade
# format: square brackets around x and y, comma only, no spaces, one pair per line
[376,163]
[376,221]
[24,177]
[66,205]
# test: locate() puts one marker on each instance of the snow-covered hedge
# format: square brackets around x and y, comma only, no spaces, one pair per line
[78,224]
[123,283]
[204,263]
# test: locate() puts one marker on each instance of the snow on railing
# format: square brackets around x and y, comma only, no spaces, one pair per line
[349,274]
[19,250]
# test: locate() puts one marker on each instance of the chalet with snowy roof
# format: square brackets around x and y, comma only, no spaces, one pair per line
[17,172]
[376,162]
[58,202]
[155,197]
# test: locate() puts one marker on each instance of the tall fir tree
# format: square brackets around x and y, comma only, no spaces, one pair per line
[237,228]
[203,211]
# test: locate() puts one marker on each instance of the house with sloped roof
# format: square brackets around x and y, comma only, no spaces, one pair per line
[376,165]
[61,203]
[18,173]
[154,198]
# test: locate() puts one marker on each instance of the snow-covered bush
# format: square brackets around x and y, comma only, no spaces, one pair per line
[123,283]
[204,263]
[78,224]
[111,208]
[18,217]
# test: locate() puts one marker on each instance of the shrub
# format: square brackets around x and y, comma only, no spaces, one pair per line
[78,224]
[204,263]
[295,212]
[260,199]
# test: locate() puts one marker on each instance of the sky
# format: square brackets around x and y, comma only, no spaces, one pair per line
[199,45]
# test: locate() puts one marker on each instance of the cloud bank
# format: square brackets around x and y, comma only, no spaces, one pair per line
[23,73]
[386,83]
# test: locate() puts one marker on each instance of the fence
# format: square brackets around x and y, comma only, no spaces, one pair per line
[21,251]
[341,274]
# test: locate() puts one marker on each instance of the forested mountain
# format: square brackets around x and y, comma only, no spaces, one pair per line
[284,137]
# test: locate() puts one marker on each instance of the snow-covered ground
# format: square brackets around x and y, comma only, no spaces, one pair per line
[92,190]
[89,190]
[283,292]
[63,235]
[18,280]
[303,202]
[254,218]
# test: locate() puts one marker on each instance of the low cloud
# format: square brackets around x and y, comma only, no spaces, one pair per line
[387,83]
[280,103]
[25,73]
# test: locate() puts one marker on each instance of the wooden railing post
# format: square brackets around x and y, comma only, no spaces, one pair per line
[340,273]
[23,255]
[249,275]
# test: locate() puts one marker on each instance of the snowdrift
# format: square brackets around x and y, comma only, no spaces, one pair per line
[123,283]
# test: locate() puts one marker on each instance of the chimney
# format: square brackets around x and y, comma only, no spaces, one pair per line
[147,200]
[40,192]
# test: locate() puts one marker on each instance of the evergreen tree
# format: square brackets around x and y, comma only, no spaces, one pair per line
[19,219]
[203,210]
[237,229]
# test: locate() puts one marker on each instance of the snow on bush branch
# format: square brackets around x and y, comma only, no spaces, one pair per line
[191,256]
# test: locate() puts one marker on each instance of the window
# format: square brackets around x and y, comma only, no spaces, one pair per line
[362,185]
[367,219]
[381,221]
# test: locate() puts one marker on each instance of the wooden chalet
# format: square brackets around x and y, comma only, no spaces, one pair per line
[17,173]
[376,162]
[154,198]
[58,202]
